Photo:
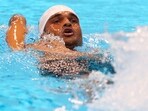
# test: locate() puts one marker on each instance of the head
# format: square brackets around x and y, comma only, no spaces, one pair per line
[63,22]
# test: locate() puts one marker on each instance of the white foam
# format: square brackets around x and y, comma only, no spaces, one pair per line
[131,81]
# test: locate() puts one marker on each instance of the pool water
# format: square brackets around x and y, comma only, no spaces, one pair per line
[117,27]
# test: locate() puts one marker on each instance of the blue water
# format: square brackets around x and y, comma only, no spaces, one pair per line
[115,26]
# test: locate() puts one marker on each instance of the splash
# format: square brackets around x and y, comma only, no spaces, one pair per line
[51,38]
[130,90]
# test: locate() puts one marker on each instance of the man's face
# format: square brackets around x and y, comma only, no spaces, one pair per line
[66,25]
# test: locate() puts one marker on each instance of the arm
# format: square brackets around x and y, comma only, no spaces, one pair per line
[15,35]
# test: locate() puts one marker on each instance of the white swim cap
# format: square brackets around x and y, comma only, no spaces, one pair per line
[50,12]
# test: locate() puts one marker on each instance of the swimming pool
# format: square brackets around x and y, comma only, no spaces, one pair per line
[117,26]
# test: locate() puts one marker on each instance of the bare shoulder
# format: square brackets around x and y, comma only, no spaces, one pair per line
[53,47]
[39,46]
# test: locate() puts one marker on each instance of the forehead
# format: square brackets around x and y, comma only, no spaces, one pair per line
[63,14]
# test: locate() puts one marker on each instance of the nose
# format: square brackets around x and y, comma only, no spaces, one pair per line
[67,23]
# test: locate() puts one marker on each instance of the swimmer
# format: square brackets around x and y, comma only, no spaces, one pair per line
[60,33]
[15,35]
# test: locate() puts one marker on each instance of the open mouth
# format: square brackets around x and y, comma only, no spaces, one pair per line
[68,32]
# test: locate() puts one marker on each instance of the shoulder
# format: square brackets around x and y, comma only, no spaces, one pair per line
[40,46]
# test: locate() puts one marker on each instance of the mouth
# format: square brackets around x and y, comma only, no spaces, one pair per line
[68,32]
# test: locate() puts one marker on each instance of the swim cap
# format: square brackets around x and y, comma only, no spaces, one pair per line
[50,12]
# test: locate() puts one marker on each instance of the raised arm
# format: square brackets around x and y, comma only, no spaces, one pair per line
[15,35]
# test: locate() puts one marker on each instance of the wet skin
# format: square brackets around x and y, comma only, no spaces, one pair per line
[15,35]
[65,25]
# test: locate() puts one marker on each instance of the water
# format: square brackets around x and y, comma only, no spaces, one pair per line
[119,27]
[130,90]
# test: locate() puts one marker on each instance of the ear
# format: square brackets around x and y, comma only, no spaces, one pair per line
[41,36]
[44,33]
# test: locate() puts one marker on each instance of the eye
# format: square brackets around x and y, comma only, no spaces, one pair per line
[74,20]
[56,20]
